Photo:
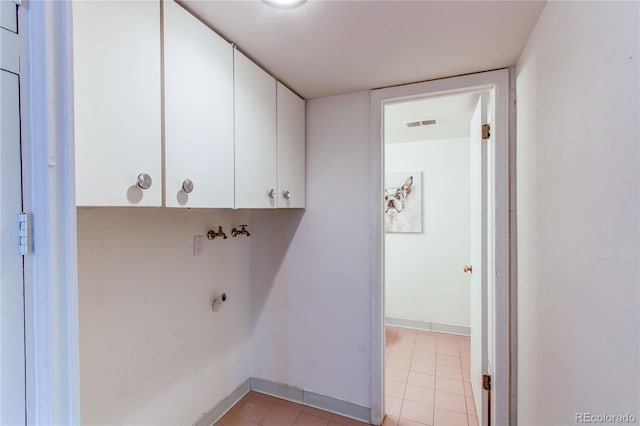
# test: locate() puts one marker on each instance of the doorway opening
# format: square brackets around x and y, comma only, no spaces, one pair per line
[440,157]
[428,297]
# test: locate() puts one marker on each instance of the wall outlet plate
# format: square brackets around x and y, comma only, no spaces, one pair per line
[198,241]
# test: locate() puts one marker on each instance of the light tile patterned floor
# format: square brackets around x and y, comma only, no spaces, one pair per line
[427,379]
[257,409]
[427,383]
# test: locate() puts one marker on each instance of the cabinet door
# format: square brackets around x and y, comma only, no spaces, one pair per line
[255,135]
[116,48]
[291,148]
[198,84]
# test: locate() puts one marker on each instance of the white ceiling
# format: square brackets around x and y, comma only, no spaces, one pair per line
[451,112]
[331,47]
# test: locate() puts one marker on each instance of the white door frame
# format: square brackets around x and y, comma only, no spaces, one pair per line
[51,287]
[499,81]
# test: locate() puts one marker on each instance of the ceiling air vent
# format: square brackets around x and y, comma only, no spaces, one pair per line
[421,123]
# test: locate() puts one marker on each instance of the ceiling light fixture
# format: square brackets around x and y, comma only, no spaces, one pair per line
[285,4]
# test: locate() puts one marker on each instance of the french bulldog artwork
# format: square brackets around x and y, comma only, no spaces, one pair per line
[403,202]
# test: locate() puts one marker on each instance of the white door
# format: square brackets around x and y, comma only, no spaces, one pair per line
[478,240]
[12,361]
[198,84]
[117,111]
[291,149]
[255,135]
[8,16]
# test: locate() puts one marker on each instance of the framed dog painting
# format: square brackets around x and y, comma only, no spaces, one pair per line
[403,202]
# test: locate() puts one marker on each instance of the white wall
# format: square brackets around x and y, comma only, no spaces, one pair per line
[151,349]
[310,273]
[424,280]
[578,213]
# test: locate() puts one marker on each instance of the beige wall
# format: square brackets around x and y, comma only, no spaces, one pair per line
[424,280]
[310,291]
[578,214]
[151,349]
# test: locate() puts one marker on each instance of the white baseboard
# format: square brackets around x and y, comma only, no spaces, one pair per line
[429,326]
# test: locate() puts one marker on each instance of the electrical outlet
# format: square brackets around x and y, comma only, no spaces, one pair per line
[198,240]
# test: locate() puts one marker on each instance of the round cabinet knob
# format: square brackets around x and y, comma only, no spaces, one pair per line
[144,181]
[187,186]
[287,194]
[468,269]
[272,193]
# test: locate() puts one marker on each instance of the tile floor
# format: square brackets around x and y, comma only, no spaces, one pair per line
[427,379]
[257,409]
[427,383]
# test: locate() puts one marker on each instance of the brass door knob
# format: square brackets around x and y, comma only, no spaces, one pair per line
[468,269]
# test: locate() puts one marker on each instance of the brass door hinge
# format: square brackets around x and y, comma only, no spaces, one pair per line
[486,382]
[486,131]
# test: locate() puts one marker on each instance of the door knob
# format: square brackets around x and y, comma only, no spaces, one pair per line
[187,186]
[272,193]
[287,194]
[468,268]
[144,181]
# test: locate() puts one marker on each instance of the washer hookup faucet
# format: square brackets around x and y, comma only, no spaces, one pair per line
[213,234]
[243,230]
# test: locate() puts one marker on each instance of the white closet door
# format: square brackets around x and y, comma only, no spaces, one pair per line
[255,135]
[198,76]
[478,242]
[12,360]
[8,16]
[291,148]
[116,49]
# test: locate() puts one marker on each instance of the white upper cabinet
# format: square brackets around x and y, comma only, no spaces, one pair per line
[233,136]
[291,148]
[255,135]
[198,73]
[117,113]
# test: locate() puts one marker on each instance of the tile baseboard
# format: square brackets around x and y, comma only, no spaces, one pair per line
[289,393]
[312,399]
[213,415]
[429,326]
